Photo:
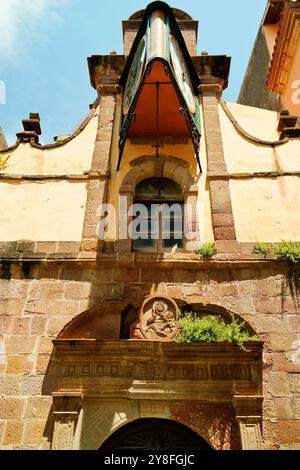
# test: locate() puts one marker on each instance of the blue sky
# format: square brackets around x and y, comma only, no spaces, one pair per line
[44,45]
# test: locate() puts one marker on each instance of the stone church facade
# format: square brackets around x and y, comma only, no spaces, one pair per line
[82,365]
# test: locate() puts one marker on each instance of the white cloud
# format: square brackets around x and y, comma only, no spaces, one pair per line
[20,18]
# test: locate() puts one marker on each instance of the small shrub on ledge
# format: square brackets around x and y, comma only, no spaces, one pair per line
[207,250]
[212,329]
[289,250]
[262,249]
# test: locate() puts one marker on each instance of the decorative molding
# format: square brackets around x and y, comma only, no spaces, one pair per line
[66,408]
[248,410]
[142,369]
[250,432]
[181,371]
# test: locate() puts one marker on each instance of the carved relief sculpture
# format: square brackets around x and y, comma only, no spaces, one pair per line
[157,320]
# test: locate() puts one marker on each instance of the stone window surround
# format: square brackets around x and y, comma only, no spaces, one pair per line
[170,167]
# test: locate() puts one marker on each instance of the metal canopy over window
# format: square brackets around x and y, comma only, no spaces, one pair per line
[160,84]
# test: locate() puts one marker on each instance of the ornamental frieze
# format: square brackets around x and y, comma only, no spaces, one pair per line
[213,372]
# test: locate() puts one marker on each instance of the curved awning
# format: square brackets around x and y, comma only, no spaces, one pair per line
[160,83]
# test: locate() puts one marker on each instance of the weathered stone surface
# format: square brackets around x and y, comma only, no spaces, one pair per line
[33,432]
[288,430]
[279,385]
[18,365]
[13,433]
[38,408]
[11,408]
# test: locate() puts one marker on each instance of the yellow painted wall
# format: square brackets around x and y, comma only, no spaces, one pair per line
[48,210]
[183,151]
[73,158]
[42,211]
[264,209]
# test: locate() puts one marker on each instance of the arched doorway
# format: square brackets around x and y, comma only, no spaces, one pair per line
[154,434]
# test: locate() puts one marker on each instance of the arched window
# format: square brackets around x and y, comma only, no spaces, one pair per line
[158,224]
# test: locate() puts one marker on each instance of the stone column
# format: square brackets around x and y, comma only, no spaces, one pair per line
[66,411]
[217,174]
[248,412]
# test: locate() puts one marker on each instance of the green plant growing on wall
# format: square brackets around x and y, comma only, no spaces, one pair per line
[3,161]
[261,248]
[212,329]
[207,250]
[290,251]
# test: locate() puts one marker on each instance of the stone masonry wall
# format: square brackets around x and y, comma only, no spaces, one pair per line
[37,300]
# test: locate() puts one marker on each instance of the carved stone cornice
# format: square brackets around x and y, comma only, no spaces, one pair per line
[213,69]
[248,407]
[67,403]
[213,372]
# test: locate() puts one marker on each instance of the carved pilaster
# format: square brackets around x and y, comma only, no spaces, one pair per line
[249,415]
[66,410]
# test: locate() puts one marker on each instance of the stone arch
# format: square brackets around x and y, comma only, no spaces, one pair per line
[159,426]
[101,322]
[169,167]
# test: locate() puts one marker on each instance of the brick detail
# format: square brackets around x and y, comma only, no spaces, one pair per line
[97,189]
[222,216]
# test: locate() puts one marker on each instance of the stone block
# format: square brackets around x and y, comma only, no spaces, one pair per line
[35,307]
[38,408]
[18,326]
[56,325]
[279,384]
[294,383]
[31,386]
[51,290]
[71,273]
[282,342]
[20,344]
[46,247]
[18,365]
[10,385]
[45,345]
[13,433]
[268,305]
[68,247]
[11,408]
[77,290]
[288,430]
[283,407]
[157,276]
[33,432]
[42,364]
[126,275]
[185,275]
[174,291]
[38,326]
